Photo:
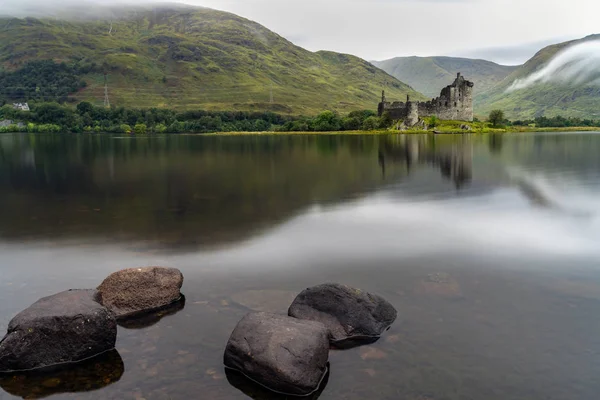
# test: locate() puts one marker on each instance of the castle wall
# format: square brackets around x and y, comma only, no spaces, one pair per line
[454,103]
[397,109]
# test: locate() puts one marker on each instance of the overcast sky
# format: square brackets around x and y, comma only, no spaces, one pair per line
[505,31]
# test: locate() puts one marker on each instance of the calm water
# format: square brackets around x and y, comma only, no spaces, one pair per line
[487,246]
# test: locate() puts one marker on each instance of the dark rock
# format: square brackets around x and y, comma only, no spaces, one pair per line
[92,374]
[65,328]
[135,291]
[283,354]
[350,314]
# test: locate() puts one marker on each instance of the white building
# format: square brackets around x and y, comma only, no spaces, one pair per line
[21,106]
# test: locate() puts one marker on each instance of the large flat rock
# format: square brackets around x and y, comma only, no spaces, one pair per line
[134,291]
[65,328]
[283,354]
[350,314]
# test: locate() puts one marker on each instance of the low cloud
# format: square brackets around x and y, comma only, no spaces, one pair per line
[576,65]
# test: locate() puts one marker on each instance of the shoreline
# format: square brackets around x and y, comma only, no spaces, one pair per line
[356,133]
[416,132]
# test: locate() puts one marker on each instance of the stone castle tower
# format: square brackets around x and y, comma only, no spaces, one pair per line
[454,103]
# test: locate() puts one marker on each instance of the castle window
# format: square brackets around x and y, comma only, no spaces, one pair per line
[446,104]
[455,104]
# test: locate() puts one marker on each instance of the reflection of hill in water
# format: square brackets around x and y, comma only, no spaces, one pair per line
[193,190]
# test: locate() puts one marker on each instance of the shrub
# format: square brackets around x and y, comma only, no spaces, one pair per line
[140,129]
[124,128]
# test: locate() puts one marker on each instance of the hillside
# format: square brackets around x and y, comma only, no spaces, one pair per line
[429,75]
[543,99]
[190,58]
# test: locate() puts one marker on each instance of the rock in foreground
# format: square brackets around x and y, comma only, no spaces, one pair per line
[65,328]
[349,314]
[283,354]
[138,290]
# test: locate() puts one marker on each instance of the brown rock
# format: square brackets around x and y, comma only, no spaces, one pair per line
[138,290]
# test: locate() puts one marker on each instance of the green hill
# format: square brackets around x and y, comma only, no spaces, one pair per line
[548,99]
[429,75]
[190,58]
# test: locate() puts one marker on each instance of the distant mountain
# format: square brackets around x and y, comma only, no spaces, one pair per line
[429,75]
[568,98]
[190,58]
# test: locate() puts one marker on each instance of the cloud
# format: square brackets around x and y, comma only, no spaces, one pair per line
[382,29]
[577,65]
[512,55]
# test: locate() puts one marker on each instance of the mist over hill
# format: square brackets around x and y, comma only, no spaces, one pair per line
[550,84]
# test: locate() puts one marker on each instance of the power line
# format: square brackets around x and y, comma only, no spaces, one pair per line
[106,100]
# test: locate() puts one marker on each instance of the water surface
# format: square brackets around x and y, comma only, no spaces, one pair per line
[486,245]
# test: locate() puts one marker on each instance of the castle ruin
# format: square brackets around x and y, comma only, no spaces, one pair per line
[455,103]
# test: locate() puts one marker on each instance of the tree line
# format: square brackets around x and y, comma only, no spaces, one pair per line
[497,118]
[86,117]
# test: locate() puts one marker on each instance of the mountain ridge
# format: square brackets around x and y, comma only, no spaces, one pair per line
[429,75]
[193,57]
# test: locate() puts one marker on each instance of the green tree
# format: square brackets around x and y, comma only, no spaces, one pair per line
[327,121]
[496,117]
[371,123]
[85,107]
[433,121]
[351,123]
[160,128]
[124,128]
[140,129]
[386,120]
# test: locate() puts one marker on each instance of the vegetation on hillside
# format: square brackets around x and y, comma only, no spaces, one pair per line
[42,81]
[191,58]
[429,75]
[548,99]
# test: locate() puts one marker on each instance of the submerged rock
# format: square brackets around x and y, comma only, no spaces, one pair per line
[283,354]
[134,291]
[440,284]
[65,328]
[350,314]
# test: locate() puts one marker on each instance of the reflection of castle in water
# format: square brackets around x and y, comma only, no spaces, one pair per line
[454,159]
